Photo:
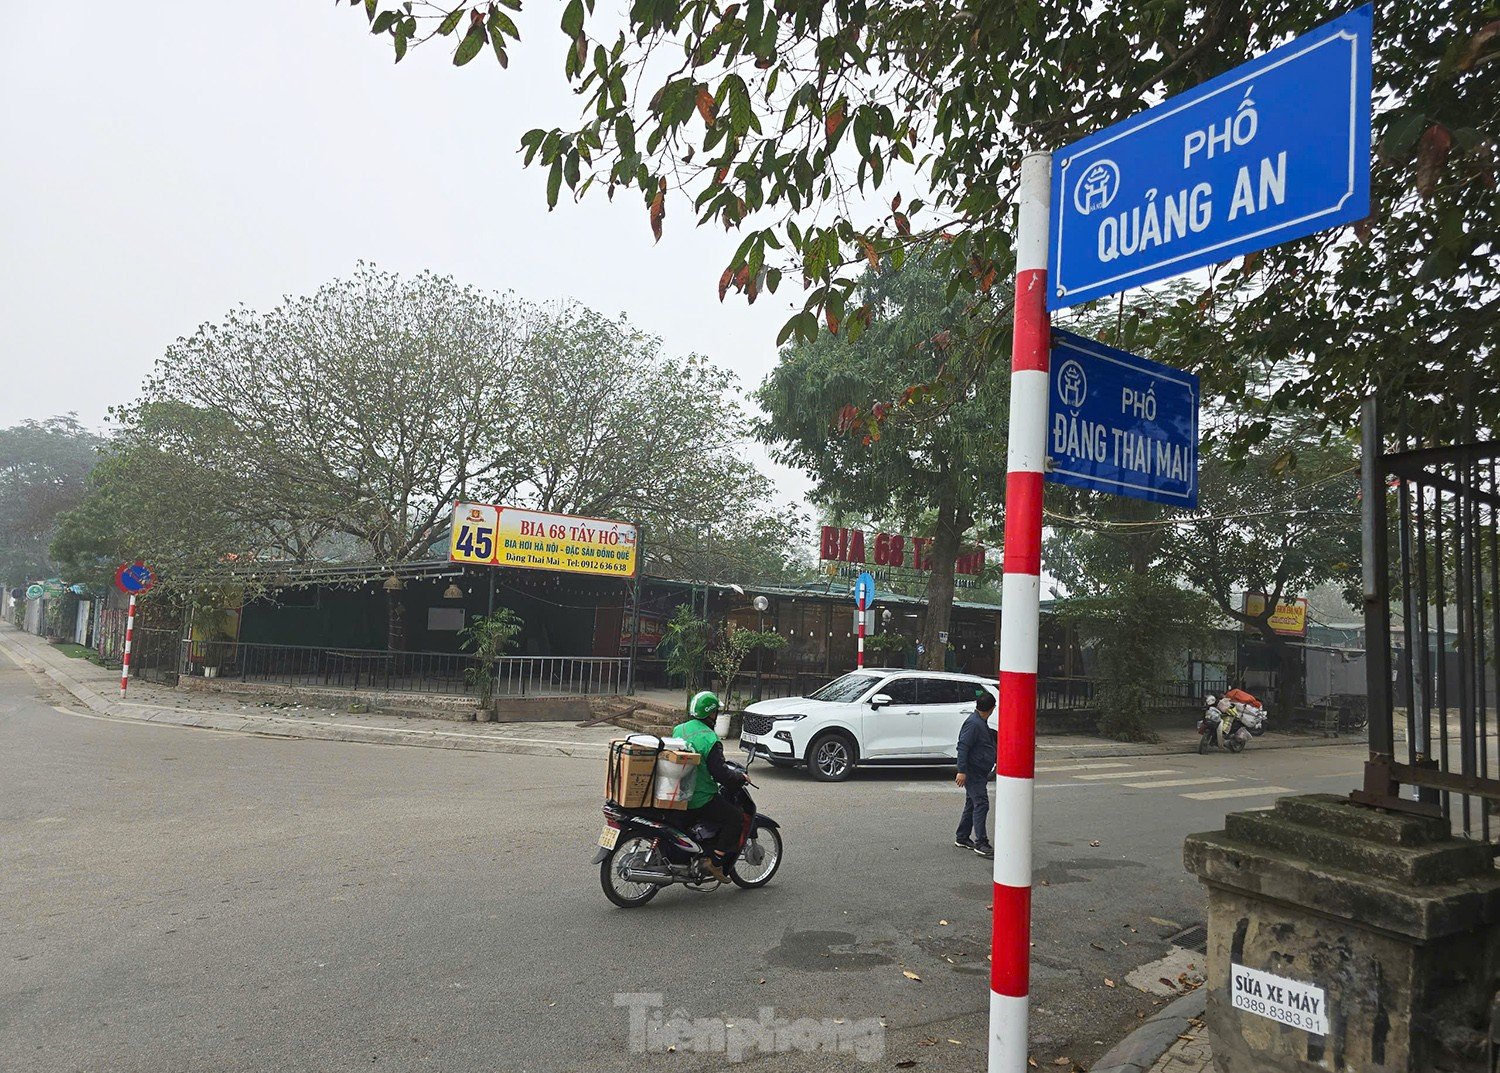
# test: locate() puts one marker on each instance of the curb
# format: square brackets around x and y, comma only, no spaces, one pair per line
[1048,751]
[1140,1050]
[282,727]
[308,729]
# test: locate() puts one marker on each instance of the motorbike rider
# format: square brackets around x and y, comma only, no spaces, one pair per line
[707,805]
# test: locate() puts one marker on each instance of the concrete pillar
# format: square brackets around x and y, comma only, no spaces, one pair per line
[1378,929]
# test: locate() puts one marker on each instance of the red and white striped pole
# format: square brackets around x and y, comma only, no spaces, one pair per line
[859,658]
[1020,617]
[125,655]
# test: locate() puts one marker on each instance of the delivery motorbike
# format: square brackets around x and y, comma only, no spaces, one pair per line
[1229,725]
[643,850]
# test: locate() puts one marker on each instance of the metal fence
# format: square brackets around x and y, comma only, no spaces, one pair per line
[153,652]
[1432,617]
[403,672]
[1081,694]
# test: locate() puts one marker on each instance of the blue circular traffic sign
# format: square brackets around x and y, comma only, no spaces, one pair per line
[134,578]
[864,590]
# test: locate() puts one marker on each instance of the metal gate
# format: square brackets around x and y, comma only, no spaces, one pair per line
[1431,581]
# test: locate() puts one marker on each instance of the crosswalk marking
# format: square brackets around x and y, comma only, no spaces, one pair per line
[1126,775]
[1161,783]
[1049,768]
[1243,791]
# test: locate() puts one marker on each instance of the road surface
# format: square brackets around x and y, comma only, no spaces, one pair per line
[185,900]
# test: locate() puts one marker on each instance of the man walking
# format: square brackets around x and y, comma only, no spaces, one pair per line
[976,759]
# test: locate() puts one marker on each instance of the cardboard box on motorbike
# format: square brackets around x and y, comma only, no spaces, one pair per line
[645,771]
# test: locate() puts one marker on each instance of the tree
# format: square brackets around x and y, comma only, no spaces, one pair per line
[789,122]
[607,425]
[43,469]
[359,413]
[730,647]
[1280,522]
[169,488]
[370,405]
[937,458]
[1116,559]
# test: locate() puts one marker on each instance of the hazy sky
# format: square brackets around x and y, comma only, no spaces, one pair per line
[160,168]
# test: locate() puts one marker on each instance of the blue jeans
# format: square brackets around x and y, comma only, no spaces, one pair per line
[976,812]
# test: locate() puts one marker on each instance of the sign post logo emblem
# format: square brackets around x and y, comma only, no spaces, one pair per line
[1096,187]
[1072,384]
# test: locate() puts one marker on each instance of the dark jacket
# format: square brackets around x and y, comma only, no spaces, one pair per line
[976,745]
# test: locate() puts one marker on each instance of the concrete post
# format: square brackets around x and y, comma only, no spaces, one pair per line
[1342,937]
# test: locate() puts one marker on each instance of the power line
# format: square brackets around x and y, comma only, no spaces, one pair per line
[1194,519]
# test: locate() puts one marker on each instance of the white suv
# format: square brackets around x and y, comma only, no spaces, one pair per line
[876,716]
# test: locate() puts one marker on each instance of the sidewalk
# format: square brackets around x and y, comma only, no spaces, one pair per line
[97,688]
[1192,1053]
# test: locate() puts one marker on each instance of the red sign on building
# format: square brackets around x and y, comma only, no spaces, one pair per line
[895,550]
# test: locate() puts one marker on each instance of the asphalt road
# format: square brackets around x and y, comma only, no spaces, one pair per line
[184,900]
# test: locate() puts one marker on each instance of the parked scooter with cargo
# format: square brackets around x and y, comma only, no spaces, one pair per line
[643,849]
[1229,724]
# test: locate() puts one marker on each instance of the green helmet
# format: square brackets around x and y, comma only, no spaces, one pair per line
[704,706]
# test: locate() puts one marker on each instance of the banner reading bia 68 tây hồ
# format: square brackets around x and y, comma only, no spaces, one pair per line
[489,535]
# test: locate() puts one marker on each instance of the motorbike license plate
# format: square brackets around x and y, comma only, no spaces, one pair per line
[609,836]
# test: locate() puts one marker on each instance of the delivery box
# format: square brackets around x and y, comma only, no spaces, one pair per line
[628,777]
[676,775]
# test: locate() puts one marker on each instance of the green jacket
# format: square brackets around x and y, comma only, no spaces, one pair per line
[701,739]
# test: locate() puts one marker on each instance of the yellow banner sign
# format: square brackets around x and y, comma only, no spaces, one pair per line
[1288,618]
[535,540]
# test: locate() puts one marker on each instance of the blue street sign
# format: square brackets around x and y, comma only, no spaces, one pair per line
[1120,423]
[864,590]
[1275,149]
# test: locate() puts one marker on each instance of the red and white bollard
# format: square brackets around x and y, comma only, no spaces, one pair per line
[1010,967]
[125,655]
[859,652]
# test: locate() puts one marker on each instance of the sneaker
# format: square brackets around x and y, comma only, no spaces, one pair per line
[984,849]
[963,843]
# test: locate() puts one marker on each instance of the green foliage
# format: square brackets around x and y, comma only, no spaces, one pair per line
[903,422]
[343,426]
[888,646]
[606,425]
[684,645]
[61,613]
[1137,624]
[489,637]
[1282,521]
[166,490]
[791,122]
[730,647]
[43,469]
[1117,564]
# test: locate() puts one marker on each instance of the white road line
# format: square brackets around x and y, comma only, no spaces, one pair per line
[1049,768]
[1127,774]
[1242,791]
[1173,782]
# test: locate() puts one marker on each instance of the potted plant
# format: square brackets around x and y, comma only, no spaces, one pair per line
[489,638]
[731,646]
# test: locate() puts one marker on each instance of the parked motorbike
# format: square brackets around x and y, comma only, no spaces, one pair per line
[643,850]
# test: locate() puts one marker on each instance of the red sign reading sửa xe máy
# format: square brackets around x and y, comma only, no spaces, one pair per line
[890,549]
